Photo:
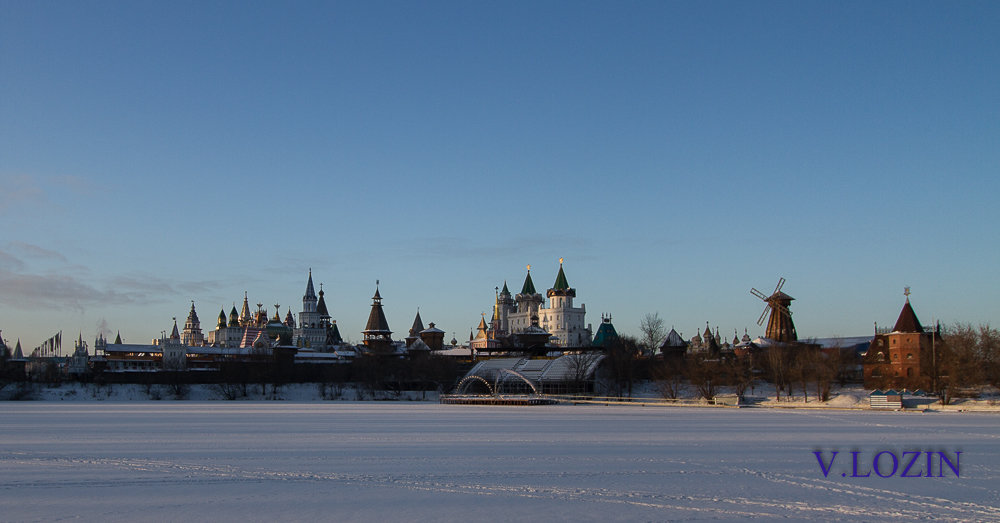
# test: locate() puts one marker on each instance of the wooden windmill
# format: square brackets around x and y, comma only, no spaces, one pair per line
[779,325]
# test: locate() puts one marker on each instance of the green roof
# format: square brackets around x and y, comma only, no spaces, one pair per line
[561,283]
[606,333]
[529,287]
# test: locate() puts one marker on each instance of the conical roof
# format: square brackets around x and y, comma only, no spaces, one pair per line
[222,319]
[561,284]
[118,338]
[907,321]
[310,292]
[245,311]
[481,329]
[234,318]
[333,336]
[529,286]
[18,355]
[289,319]
[418,324]
[193,316]
[173,334]
[505,290]
[376,318]
[321,306]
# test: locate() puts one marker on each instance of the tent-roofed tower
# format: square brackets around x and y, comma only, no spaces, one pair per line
[780,327]
[377,336]
[907,357]
[324,314]
[528,300]
[192,335]
[245,317]
[561,318]
[418,326]
[311,330]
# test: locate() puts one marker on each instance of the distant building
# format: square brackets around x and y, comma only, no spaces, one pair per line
[377,336]
[527,314]
[315,328]
[904,357]
[192,335]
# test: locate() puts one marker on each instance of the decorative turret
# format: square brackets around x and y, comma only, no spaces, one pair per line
[561,294]
[174,334]
[606,333]
[324,315]
[528,300]
[234,318]
[118,338]
[222,320]
[333,337]
[414,334]
[192,336]
[481,330]
[377,336]
[309,298]
[18,354]
[289,319]
[245,317]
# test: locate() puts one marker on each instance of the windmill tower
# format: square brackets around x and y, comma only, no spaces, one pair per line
[779,325]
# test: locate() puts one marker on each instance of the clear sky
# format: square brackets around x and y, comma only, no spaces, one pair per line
[674,153]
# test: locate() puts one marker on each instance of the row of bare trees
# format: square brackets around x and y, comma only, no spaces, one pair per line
[968,359]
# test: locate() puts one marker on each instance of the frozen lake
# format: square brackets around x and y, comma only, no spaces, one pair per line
[339,461]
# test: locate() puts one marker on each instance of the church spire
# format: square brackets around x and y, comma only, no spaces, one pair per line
[310,292]
[309,298]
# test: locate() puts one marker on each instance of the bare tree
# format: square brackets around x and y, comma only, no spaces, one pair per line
[961,360]
[741,375]
[668,375]
[581,367]
[705,375]
[653,332]
[778,365]
[621,363]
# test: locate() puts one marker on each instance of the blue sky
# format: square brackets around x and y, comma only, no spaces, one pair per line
[674,153]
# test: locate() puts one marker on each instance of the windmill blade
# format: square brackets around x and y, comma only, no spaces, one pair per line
[758,294]
[781,283]
[760,321]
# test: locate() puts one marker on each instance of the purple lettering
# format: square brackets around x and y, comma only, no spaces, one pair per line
[855,474]
[825,467]
[942,459]
[895,464]
[910,464]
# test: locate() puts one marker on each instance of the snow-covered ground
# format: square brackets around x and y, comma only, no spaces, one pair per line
[409,461]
